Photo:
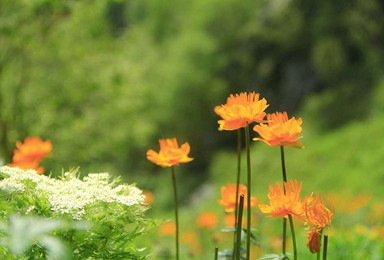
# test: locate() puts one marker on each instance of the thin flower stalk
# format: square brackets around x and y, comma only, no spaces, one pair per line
[237,181]
[239,228]
[284,245]
[249,191]
[325,248]
[293,237]
[176,211]
[216,253]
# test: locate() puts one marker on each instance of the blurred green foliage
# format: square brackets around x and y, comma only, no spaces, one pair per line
[104,80]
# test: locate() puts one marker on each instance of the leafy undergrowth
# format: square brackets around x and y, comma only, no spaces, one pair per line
[70,218]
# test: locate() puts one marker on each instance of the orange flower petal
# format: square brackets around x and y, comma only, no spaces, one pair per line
[207,220]
[240,110]
[280,131]
[313,241]
[317,214]
[29,154]
[228,194]
[281,205]
[170,154]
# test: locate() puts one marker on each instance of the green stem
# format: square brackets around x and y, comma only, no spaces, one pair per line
[293,237]
[238,228]
[284,237]
[237,183]
[325,247]
[216,252]
[284,180]
[176,212]
[318,252]
[249,192]
[283,165]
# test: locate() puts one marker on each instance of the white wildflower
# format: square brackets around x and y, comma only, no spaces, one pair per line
[70,195]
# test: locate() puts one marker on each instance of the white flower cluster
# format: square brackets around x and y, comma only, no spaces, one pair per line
[70,194]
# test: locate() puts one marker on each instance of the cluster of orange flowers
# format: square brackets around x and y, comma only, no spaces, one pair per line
[311,210]
[29,154]
[275,129]
[243,109]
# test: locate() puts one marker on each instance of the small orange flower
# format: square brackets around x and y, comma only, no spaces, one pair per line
[284,204]
[313,241]
[170,154]
[240,110]
[230,220]
[29,154]
[192,240]
[316,213]
[168,229]
[207,220]
[228,195]
[280,131]
[32,150]
[317,216]
[148,197]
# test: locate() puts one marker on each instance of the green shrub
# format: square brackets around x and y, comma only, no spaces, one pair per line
[113,212]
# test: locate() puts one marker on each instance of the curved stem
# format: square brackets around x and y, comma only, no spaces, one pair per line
[293,237]
[249,191]
[176,212]
[237,184]
[238,228]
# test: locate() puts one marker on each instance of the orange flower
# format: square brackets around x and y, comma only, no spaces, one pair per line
[29,154]
[168,229]
[240,110]
[32,150]
[230,221]
[192,240]
[170,154]
[284,204]
[317,214]
[228,195]
[280,131]
[207,220]
[313,241]
[148,197]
